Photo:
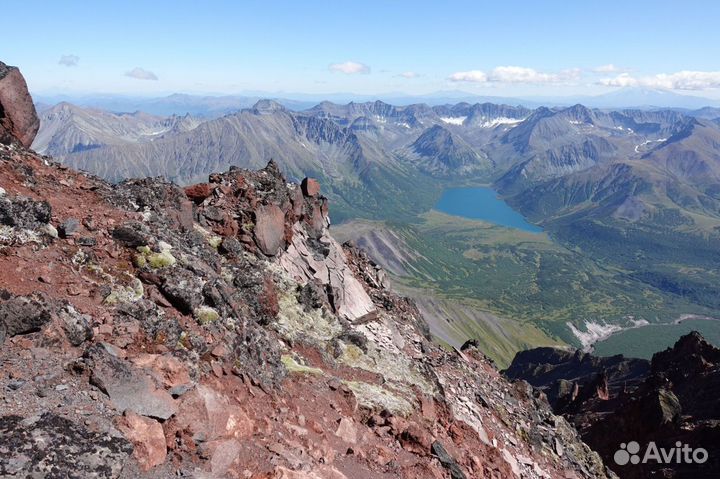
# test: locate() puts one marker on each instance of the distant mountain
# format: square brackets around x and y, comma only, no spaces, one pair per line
[361,150]
[176,104]
[440,152]
[66,128]
[707,113]
[636,97]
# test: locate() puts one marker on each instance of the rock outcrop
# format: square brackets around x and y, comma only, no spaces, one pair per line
[18,119]
[613,401]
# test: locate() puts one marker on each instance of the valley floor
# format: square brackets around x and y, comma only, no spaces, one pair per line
[512,289]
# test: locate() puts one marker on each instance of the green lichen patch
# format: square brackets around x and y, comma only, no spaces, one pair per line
[294,367]
[161,260]
[214,241]
[206,314]
[155,260]
[294,321]
[129,293]
[377,399]
[391,365]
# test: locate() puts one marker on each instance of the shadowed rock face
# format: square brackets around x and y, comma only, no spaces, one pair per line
[18,119]
[615,400]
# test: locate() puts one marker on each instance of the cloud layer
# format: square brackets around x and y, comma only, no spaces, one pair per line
[349,68]
[69,60]
[683,80]
[141,74]
[515,74]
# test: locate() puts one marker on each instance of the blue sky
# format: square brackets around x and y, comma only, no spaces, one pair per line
[495,48]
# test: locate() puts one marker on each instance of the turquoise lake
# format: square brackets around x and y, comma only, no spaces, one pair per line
[645,341]
[482,204]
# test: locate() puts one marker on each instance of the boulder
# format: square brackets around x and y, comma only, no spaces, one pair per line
[53,446]
[147,437]
[347,431]
[347,296]
[127,387]
[168,370]
[209,416]
[310,187]
[76,326]
[269,229]
[199,192]
[18,118]
[182,288]
[22,212]
[22,315]
[447,461]
[68,228]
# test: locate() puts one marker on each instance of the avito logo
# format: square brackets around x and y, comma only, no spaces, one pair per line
[680,454]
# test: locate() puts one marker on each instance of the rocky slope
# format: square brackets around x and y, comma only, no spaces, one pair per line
[219,331]
[616,400]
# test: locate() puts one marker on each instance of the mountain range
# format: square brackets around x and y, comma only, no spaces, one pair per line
[629,198]
[214,105]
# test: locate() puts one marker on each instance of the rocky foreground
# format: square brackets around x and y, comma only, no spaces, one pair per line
[219,331]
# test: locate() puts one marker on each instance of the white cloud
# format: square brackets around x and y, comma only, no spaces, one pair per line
[69,60]
[409,75]
[609,68]
[473,76]
[511,74]
[515,74]
[141,74]
[683,80]
[349,68]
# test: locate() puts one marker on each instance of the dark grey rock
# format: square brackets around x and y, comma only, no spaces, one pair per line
[53,447]
[68,228]
[22,212]
[311,296]
[86,241]
[127,387]
[182,288]
[231,246]
[131,234]
[77,326]
[447,461]
[22,315]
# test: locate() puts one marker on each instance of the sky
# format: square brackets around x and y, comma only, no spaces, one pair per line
[499,48]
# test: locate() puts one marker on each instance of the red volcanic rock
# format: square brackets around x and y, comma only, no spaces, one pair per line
[199,192]
[269,229]
[347,431]
[147,437]
[168,370]
[209,415]
[18,118]
[310,187]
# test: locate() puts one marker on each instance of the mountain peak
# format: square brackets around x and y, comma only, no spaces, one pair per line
[267,106]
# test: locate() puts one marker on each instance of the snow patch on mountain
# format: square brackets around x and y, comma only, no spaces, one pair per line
[501,120]
[453,120]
